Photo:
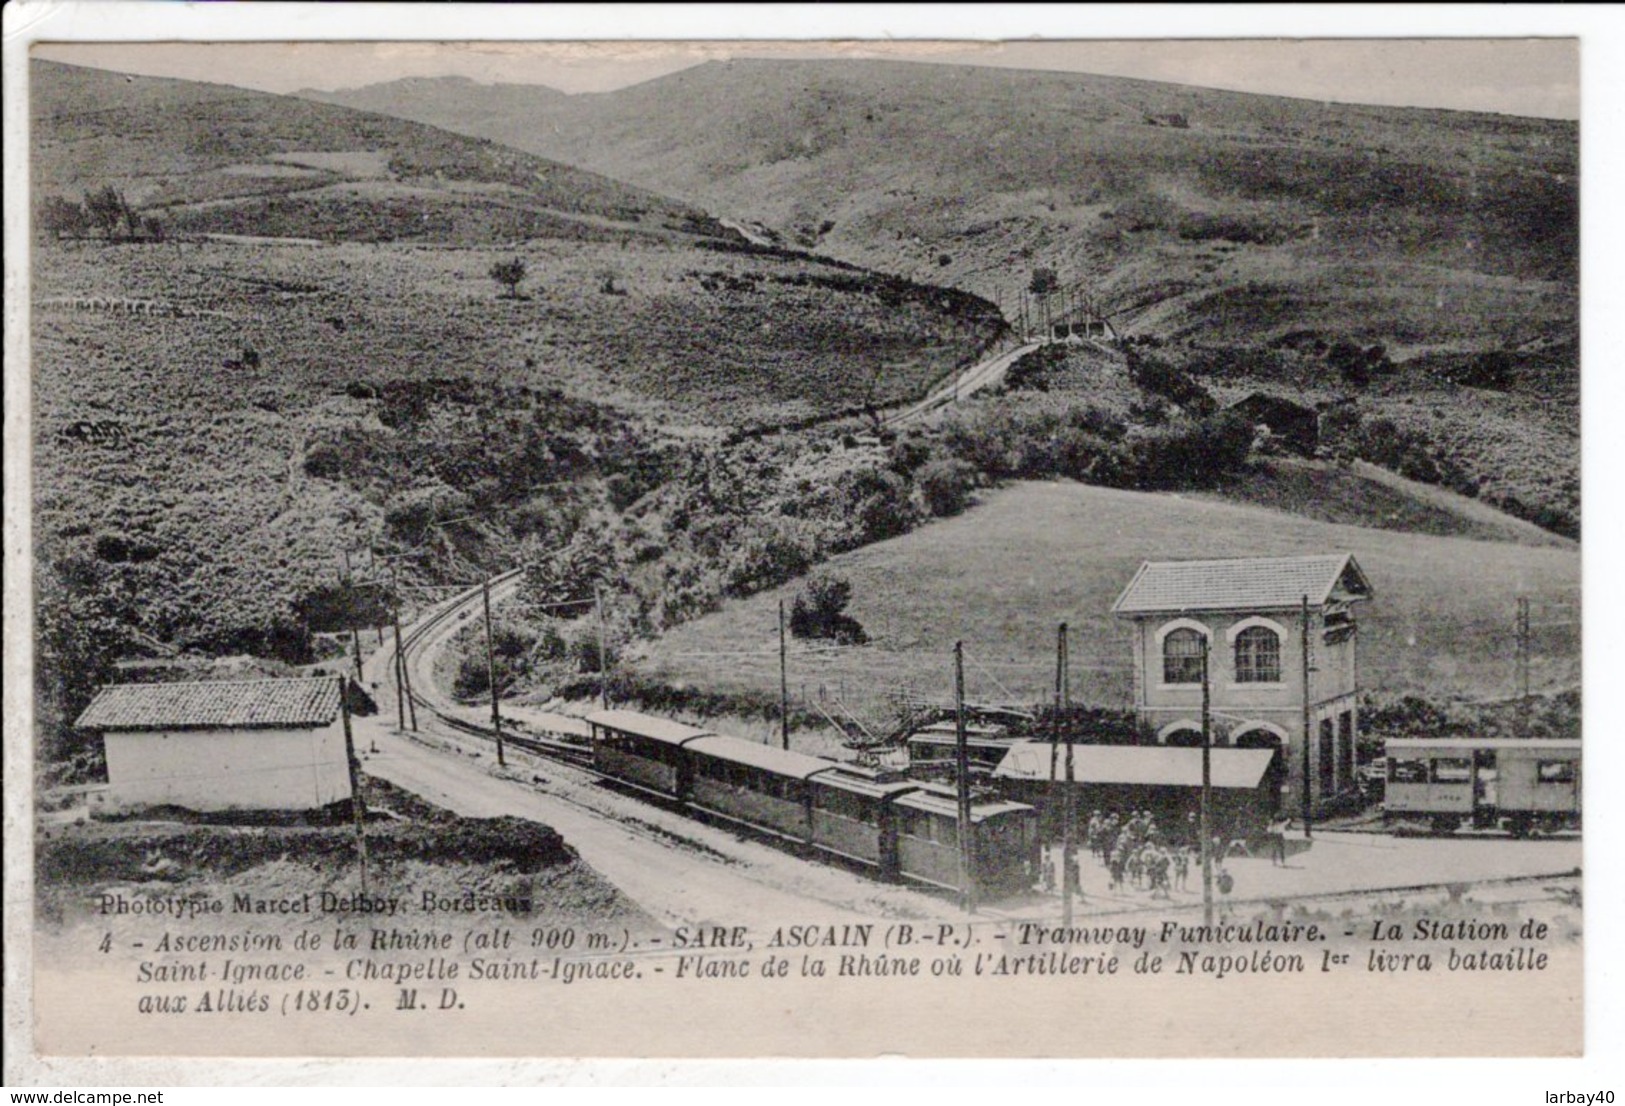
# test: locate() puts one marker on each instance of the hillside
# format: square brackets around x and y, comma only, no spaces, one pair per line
[1033,555]
[1225,216]
[213,158]
[313,360]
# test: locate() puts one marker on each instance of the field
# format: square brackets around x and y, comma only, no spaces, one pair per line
[1216,214]
[416,848]
[1004,574]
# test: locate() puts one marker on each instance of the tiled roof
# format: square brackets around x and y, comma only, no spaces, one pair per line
[213,704]
[1139,765]
[1249,583]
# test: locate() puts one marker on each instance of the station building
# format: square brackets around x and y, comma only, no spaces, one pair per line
[1279,635]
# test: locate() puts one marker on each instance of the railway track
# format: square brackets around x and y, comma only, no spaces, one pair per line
[426,698]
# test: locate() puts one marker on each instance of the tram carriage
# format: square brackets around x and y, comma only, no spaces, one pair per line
[900,829]
[1485,783]
[1006,840]
[755,784]
[643,751]
[855,816]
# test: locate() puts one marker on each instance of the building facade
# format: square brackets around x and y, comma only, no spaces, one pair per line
[1278,636]
[223,745]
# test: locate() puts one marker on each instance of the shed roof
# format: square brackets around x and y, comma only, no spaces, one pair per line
[646,725]
[214,704]
[739,751]
[1245,583]
[1140,765]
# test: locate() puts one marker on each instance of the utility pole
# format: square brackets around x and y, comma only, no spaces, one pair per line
[358,805]
[491,672]
[784,685]
[967,844]
[349,611]
[1056,798]
[1308,738]
[603,668]
[1523,666]
[403,681]
[1205,819]
[1068,813]
[400,677]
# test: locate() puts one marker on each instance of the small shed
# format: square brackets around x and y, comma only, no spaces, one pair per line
[1163,779]
[1296,425]
[221,745]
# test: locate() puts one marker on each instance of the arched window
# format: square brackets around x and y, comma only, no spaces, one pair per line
[1258,656]
[1182,657]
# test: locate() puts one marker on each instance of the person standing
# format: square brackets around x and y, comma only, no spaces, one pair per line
[1277,836]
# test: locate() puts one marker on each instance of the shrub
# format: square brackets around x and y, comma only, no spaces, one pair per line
[1158,377]
[509,273]
[1197,454]
[1030,371]
[819,611]
[946,485]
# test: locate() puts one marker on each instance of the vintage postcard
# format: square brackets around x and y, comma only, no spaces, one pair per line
[1044,549]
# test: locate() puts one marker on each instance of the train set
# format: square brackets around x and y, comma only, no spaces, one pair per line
[898,829]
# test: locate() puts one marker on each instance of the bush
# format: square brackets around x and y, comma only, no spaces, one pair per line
[1031,371]
[509,273]
[819,611]
[1192,455]
[1158,377]
[945,485]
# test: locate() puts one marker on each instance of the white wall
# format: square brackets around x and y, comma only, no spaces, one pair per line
[291,769]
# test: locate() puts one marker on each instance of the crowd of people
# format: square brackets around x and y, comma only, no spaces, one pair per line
[1139,853]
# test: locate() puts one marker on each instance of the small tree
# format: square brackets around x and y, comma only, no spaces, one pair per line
[946,486]
[108,209]
[508,274]
[1045,281]
[63,218]
[819,611]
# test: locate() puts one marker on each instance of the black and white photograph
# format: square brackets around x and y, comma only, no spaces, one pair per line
[946,548]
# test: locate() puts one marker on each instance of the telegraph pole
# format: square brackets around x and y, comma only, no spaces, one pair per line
[491,672]
[967,845]
[358,805]
[1523,666]
[403,681]
[1056,799]
[1308,738]
[349,611]
[1068,814]
[784,685]
[1205,820]
[400,676]
[603,668]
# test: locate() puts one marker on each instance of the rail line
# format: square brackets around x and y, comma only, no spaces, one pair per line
[455,609]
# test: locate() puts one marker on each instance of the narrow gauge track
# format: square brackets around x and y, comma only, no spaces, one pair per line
[428,699]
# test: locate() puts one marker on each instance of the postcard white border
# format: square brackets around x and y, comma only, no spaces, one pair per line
[1603,324]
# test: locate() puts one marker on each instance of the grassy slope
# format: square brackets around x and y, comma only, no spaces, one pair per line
[1002,576]
[216,158]
[209,470]
[1405,226]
